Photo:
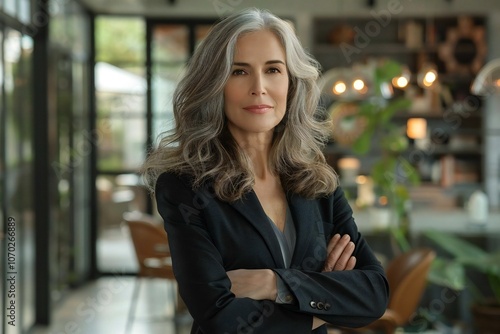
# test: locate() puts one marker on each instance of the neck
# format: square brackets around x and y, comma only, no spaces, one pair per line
[258,150]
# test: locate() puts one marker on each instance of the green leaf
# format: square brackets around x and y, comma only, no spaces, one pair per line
[388,70]
[393,107]
[449,274]
[456,246]
[362,144]
[399,235]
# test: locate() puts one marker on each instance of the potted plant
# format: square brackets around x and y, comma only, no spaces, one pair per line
[392,173]
[469,258]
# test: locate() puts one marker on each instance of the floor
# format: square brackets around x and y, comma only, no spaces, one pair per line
[103,307]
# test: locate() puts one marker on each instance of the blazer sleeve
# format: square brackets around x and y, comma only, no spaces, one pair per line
[351,298]
[201,277]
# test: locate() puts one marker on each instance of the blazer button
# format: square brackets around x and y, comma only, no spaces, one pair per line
[320,305]
[312,304]
[327,306]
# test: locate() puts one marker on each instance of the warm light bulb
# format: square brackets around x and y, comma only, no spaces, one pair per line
[361,179]
[400,82]
[429,78]
[383,200]
[358,84]
[497,82]
[339,87]
[416,128]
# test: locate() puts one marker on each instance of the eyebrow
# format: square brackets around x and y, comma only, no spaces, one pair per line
[267,63]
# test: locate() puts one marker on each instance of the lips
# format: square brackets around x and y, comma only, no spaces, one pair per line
[258,108]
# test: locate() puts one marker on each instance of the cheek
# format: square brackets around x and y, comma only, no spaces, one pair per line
[231,95]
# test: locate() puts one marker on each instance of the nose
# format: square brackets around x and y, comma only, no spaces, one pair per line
[258,85]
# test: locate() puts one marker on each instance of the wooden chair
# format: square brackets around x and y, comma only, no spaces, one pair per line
[407,277]
[153,256]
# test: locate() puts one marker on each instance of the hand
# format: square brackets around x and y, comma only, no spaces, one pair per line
[258,284]
[340,252]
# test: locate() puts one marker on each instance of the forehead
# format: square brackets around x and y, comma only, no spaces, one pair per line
[262,44]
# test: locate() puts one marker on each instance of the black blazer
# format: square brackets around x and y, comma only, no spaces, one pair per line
[209,237]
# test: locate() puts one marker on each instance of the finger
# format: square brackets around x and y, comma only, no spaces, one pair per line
[331,245]
[347,252]
[351,263]
[336,252]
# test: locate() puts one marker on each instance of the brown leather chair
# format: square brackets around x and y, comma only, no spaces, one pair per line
[407,277]
[153,256]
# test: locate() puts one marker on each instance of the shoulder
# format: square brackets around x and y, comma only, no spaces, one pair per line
[336,201]
[335,196]
[178,187]
[174,187]
[173,180]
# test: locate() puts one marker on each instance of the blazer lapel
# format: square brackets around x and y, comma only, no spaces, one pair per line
[305,220]
[251,209]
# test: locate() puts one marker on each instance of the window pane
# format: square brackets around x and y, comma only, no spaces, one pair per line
[12,55]
[120,40]
[164,81]
[121,144]
[24,11]
[19,161]
[9,7]
[121,109]
[120,91]
[170,44]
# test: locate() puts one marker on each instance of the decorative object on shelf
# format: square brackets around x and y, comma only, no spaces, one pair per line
[477,207]
[487,81]
[348,169]
[413,34]
[366,195]
[341,33]
[347,124]
[465,47]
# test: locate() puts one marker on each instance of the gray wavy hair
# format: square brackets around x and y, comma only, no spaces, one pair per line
[200,144]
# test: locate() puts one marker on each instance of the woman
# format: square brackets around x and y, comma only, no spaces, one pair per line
[253,212]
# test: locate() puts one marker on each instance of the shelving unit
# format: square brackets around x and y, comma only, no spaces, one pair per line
[456,136]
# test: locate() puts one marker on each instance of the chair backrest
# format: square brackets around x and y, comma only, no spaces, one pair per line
[407,277]
[150,242]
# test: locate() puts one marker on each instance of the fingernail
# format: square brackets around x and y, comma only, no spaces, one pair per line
[346,237]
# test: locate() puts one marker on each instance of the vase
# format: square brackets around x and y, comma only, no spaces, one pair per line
[486,317]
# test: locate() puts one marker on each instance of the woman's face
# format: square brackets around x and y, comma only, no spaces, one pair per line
[255,94]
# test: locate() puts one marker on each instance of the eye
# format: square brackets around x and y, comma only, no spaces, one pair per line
[238,72]
[274,70]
